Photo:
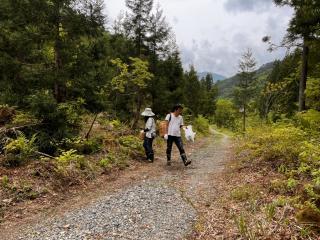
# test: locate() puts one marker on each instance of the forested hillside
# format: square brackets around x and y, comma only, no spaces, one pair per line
[226,86]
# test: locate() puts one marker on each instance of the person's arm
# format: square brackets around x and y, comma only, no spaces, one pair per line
[167,126]
[182,124]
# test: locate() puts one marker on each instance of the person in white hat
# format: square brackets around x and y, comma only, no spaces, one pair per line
[150,133]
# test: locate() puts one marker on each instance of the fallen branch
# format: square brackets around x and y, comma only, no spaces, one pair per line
[45,155]
[5,130]
[88,133]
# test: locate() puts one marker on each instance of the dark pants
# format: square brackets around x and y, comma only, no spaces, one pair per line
[179,144]
[147,144]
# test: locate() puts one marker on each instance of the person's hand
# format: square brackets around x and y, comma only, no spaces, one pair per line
[165,137]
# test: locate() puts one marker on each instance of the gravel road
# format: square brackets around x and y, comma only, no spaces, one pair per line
[161,208]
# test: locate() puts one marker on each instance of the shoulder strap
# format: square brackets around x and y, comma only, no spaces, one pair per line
[170,117]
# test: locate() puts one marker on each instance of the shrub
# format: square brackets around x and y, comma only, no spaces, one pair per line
[244,193]
[71,157]
[83,146]
[114,125]
[270,211]
[279,143]
[113,159]
[225,114]
[72,168]
[25,192]
[19,150]
[309,120]
[295,154]
[59,120]
[24,118]
[313,93]
[105,163]
[201,124]
[131,144]
[5,181]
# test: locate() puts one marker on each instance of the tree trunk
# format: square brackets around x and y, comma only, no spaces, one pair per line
[138,109]
[59,88]
[244,118]
[303,79]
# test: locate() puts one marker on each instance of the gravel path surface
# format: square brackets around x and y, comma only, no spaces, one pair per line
[146,211]
[161,208]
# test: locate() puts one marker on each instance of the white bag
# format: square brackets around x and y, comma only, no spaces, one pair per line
[189,133]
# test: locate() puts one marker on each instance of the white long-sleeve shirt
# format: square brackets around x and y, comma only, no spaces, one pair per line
[151,125]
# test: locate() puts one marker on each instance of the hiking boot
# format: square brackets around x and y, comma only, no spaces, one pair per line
[186,162]
[151,158]
[168,160]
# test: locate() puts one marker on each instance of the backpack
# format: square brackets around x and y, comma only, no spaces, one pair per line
[163,127]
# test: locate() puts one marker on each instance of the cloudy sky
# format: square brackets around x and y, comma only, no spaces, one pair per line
[212,34]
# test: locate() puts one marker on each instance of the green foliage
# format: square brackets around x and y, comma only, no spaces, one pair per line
[120,81]
[225,114]
[193,91]
[131,144]
[133,81]
[309,120]
[112,159]
[116,124]
[24,118]
[105,163]
[71,158]
[5,181]
[270,211]
[244,193]
[280,143]
[25,192]
[244,229]
[19,150]
[279,186]
[292,183]
[83,146]
[133,77]
[201,125]
[313,93]
[58,119]
[295,154]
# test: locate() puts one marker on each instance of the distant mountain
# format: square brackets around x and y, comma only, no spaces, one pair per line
[225,87]
[216,77]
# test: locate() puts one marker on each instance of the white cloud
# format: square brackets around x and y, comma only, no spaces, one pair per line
[212,34]
[247,5]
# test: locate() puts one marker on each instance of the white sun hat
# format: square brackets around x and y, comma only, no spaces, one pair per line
[147,113]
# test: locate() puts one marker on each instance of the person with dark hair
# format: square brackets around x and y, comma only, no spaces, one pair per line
[173,135]
[150,133]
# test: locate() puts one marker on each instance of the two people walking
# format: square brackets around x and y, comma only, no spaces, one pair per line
[174,123]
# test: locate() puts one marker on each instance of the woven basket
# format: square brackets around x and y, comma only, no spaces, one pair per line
[162,128]
[142,135]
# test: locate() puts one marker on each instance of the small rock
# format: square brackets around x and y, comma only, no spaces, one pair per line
[9,200]
[66,226]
